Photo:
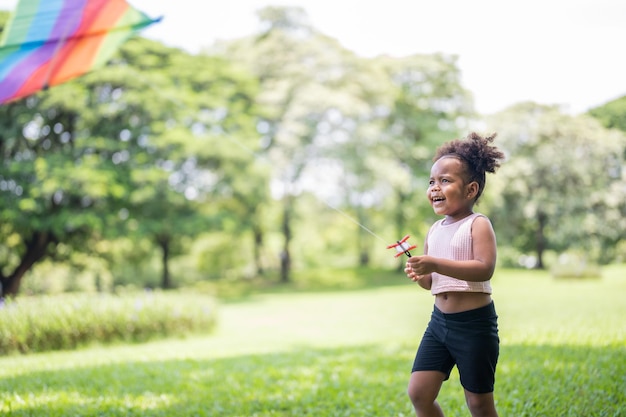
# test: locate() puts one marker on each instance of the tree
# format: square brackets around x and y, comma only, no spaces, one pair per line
[303,76]
[562,183]
[612,115]
[190,160]
[57,190]
[429,106]
[327,110]
[120,151]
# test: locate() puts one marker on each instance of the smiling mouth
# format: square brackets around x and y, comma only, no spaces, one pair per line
[437,199]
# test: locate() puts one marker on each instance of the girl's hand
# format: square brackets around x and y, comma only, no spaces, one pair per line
[422,265]
[424,280]
[410,273]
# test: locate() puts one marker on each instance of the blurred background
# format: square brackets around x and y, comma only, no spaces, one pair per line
[252,143]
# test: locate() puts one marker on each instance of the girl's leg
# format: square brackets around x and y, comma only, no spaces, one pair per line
[423,389]
[481,405]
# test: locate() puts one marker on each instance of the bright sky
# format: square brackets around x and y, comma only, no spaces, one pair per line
[567,52]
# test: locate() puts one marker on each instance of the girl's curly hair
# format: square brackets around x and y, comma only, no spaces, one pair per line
[476,154]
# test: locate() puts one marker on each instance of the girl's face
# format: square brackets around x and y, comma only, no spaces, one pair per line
[448,192]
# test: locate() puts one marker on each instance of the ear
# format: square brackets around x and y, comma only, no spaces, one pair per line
[472,190]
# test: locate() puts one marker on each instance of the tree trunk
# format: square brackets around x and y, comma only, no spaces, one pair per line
[285,256]
[166,279]
[35,250]
[364,257]
[258,245]
[540,239]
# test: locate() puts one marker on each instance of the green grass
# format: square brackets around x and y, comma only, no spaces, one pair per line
[343,353]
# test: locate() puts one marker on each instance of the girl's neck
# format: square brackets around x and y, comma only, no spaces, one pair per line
[456,218]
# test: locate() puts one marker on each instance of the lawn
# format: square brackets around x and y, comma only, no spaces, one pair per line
[343,353]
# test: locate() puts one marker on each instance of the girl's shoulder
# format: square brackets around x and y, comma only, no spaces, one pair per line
[479,217]
[481,224]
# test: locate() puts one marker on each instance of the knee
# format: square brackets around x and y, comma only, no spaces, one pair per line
[481,405]
[413,394]
[420,397]
[424,387]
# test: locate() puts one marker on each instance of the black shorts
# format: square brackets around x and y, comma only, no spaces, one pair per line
[468,340]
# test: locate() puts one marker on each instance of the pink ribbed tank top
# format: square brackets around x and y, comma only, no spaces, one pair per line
[454,241]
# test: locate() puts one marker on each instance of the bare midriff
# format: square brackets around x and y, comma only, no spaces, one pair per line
[456,302]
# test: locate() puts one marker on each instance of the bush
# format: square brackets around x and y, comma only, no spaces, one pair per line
[44,323]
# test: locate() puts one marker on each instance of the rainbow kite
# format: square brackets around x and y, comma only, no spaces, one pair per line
[48,42]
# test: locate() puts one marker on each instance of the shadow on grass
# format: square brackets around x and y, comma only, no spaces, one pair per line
[363,381]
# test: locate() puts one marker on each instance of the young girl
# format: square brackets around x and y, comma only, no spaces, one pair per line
[457,265]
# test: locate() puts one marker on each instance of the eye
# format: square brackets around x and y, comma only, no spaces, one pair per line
[431,182]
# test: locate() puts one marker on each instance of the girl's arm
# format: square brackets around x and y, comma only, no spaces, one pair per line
[478,269]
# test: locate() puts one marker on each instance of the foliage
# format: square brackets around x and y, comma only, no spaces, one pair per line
[309,105]
[4,16]
[135,149]
[612,115]
[44,323]
[429,106]
[548,199]
[345,128]
[343,353]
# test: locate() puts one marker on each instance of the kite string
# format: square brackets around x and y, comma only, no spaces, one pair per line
[353,220]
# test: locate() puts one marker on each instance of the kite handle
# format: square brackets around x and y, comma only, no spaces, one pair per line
[402,247]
